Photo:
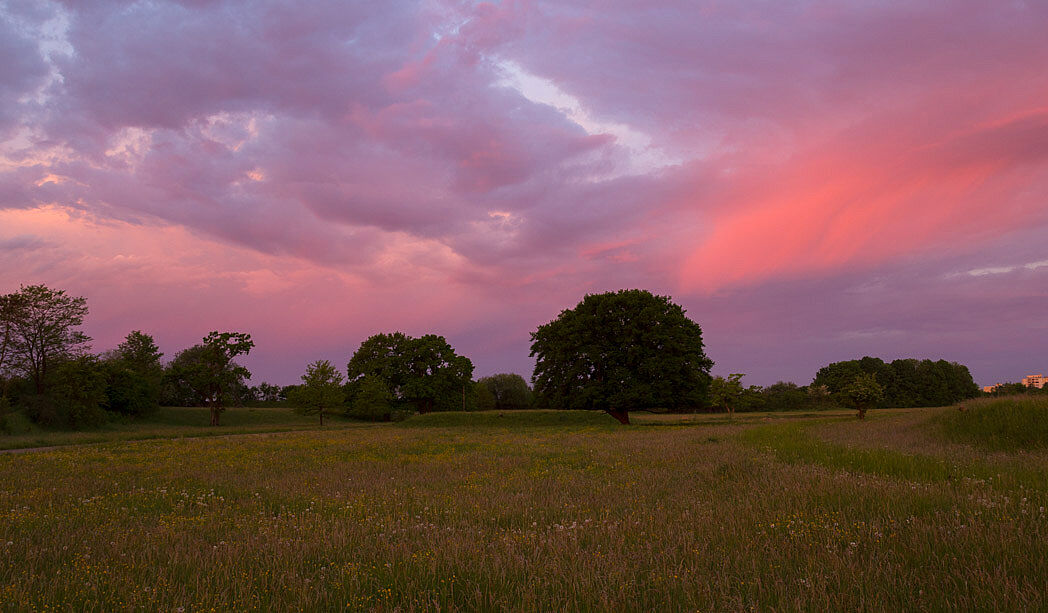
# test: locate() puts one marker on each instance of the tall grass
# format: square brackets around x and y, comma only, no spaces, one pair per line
[167,422]
[511,419]
[541,518]
[1000,424]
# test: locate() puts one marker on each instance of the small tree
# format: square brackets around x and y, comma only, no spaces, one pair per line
[321,389]
[726,393]
[222,375]
[206,375]
[862,394]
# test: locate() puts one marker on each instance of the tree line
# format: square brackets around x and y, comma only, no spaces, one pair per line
[616,352]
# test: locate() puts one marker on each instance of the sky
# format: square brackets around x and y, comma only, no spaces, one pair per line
[813,181]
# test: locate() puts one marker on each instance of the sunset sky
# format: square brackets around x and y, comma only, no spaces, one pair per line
[813,181]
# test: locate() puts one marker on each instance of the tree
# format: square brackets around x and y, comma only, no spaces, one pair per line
[425,372]
[785,396]
[621,351]
[206,375]
[837,375]
[862,394]
[906,382]
[372,401]
[11,311]
[43,331]
[270,394]
[76,391]
[485,400]
[510,391]
[134,375]
[321,389]
[726,393]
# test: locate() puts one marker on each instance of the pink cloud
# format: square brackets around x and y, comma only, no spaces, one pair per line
[370,167]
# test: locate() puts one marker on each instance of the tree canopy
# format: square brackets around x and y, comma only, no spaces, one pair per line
[321,389]
[862,394]
[508,391]
[621,351]
[206,375]
[40,329]
[133,375]
[726,392]
[425,372]
[906,382]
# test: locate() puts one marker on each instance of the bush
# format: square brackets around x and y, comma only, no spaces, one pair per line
[372,401]
[75,396]
[129,392]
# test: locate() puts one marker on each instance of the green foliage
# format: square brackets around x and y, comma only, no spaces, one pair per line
[206,375]
[999,424]
[509,392]
[906,382]
[862,394]
[134,376]
[424,372]
[268,395]
[1016,389]
[5,408]
[321,389]
[785,396]
[373,401]
[40,330]
[485,400]
[11,312]
[76,391]
[725,393]
[620,351]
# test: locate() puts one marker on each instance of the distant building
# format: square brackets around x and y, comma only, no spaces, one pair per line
[989,388]
[1037,381]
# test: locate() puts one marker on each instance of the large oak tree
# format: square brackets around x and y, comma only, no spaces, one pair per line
[424,371]
[621,351]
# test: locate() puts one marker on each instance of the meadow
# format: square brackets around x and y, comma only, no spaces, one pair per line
[167,422]
[536,511]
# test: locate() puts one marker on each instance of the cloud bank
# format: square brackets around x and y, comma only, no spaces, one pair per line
[811,180]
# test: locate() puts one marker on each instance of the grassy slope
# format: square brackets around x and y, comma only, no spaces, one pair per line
[557,512]
[1000,424]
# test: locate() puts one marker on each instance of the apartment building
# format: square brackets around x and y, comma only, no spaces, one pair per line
[1037,381]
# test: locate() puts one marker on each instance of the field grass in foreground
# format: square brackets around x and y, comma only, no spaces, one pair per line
[1009,424]
[167,422]
[568,516]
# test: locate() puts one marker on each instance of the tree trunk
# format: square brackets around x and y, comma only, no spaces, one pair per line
[620,414]
[321,418]
[215,411]
[862,413]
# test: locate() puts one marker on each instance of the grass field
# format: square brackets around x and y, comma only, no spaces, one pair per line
[168,422]
[534,511]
